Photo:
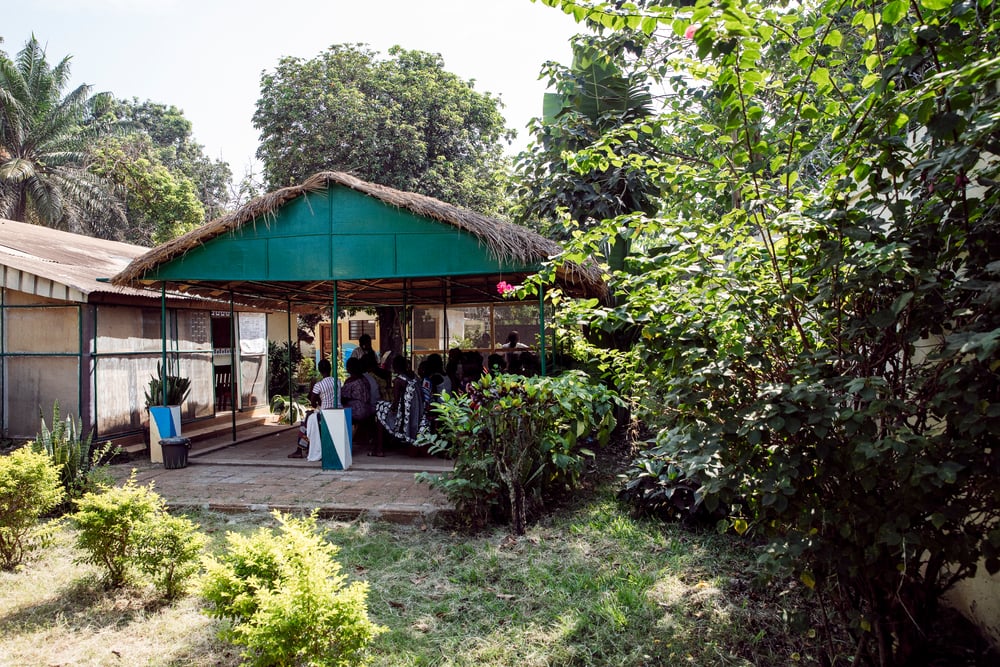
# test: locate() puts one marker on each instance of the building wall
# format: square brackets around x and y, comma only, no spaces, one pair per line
[41,366]
[127,350]
[978,599]
[97,361]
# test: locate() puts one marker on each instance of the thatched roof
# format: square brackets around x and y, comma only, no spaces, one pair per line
[504,241]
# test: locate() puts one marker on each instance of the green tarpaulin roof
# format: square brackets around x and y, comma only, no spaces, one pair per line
[381,246]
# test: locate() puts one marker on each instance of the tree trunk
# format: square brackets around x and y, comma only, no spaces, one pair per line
[518,516]
[390,329]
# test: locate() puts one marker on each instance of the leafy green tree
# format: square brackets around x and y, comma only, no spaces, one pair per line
[174,148]
[821,353]
[161,204]
[404,122]
[604,93]
[43,147]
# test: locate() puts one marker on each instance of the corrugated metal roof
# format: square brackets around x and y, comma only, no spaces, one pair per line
[62,265]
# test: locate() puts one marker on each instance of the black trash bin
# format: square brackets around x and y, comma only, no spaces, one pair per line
[175,452]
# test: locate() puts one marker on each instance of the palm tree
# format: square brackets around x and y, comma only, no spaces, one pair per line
[43,140]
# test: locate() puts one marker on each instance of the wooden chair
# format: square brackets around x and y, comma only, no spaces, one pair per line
[223,387]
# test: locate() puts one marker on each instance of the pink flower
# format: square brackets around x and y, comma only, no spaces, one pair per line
[691,30]
[504,288]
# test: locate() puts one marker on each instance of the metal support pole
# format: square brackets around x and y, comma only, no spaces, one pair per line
[541,323]
[335,352]
[163,340]
[405,321]
[234,386]
[444,343]
[82,376]
[288,353]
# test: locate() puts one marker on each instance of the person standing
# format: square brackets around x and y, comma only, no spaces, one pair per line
[364,347]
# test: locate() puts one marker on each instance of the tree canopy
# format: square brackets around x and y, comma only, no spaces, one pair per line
[171,135]
[168,184]
[605,91]
[404,121]
[160,204]
[115,169]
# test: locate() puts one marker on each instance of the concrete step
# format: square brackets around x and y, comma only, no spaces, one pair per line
[212,428]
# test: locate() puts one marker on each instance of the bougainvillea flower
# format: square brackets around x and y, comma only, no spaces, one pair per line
[504,288]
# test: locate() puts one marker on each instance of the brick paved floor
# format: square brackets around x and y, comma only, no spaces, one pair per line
[256,475]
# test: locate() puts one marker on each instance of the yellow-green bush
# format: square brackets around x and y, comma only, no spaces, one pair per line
[286,598]
[29,487]
[127,528]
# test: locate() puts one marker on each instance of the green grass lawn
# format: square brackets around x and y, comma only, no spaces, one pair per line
[587,586]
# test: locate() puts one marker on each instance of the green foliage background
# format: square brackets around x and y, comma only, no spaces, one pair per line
[816,300]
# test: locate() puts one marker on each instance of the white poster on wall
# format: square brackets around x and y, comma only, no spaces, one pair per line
[253,333]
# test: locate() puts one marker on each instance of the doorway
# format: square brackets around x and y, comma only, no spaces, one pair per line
[222,360]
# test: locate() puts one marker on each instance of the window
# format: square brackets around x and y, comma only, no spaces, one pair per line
[424,325]
[358,327]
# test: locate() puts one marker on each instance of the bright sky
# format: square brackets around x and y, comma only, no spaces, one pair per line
[206,56]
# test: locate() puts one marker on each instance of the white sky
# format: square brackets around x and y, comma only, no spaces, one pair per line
[206,56]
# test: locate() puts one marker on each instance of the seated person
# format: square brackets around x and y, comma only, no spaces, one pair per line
[511,347]
[322,397]
[356,395]
[472,368]
[433,383]
[403,417]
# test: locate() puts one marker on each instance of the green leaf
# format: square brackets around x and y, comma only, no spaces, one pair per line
[894,11]
[882,318]
[946,125]
[821,77]
[935,5]
[901,302]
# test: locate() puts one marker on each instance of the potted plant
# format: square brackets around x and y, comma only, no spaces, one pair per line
[165,418]
[289,410]
[306,374]
[178,388]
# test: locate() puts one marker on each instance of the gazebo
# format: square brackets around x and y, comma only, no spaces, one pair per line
[335,241]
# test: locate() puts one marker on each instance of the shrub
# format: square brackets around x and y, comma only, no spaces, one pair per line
[167,548]
[520,436]
[656,485]
[278,357]
[286,598]
[127,528]
[81,468]
[29,487]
